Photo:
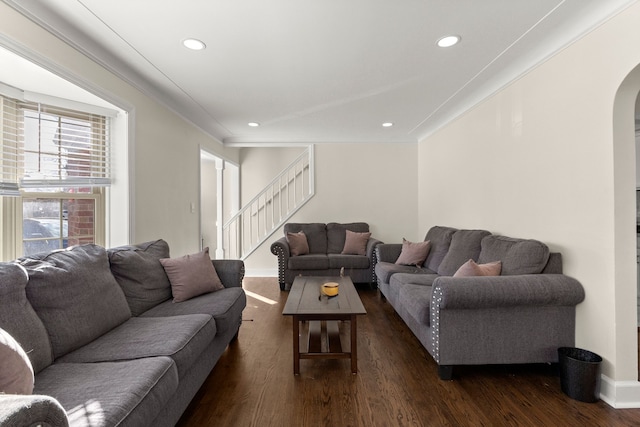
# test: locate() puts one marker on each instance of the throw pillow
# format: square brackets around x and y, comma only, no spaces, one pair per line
[298,244]
[355,243]
[471,268]
[191,275]
[413,253]
[16,372]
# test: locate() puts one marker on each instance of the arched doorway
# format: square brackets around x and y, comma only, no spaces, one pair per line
[626,275]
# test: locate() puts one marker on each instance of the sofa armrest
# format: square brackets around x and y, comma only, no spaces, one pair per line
[280,248]
[31,410]
[372,244]
[506,291]
[230,271]
[372,254]
[388,252]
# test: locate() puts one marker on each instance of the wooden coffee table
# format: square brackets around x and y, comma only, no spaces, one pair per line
[307,303]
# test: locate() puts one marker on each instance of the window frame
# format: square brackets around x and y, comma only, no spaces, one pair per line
[11,208]
[97,195]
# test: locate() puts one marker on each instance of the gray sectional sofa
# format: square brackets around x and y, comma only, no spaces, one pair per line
[520,316]
[325,257]
[107,343]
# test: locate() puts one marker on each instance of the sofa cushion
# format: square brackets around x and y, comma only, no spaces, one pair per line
[348,261]
[336,234]
[16,372]
[75,295]
[471,269]
[225,306]
[440,239]
[413,253]
[298,244]
[386,270]
[416,300]
[316,235]
[518,256]
[138,271]
[183,338]
[401,279]
[355,243]
[465,245]
[191,275]
[308,262]
[106,394]
[19,319]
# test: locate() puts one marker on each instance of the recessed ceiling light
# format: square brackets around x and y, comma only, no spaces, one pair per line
[387,125]
[448,41]
[194,44]
[253,124]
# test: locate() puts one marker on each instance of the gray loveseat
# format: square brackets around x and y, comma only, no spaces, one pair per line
[107,343]
[521,316]
[325,258]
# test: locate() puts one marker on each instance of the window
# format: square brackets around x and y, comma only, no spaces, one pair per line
[56,161]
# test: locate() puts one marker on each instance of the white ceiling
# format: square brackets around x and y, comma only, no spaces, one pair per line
[323,70]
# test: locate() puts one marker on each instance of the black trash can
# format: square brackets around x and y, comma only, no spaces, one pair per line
[579,373]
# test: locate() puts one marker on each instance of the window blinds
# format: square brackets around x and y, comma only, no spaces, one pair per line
[10,154]
[45,146]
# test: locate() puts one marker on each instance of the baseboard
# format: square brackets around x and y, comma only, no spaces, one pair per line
[620,394]
[261,272]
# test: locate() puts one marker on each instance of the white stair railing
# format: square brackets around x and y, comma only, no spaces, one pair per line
[270,209]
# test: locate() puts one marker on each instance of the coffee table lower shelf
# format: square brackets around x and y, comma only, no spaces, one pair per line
[324,340]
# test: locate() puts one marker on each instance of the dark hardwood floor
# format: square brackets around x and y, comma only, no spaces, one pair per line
[396,385]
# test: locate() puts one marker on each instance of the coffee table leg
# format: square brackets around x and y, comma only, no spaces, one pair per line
[354,345]
[296,345]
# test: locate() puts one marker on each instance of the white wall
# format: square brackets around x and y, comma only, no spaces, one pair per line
[166,148]
[261,165]
[537,161]
[373,183]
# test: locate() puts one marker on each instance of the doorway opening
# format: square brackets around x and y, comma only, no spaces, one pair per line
[219,199]
[637,141]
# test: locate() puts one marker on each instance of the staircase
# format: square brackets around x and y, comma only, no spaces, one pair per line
[270,209]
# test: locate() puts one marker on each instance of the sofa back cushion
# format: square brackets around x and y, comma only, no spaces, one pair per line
[336,234]
[518,256]
[440,238]
[19,319]
[465,245]
[316,235]
[554,265]
[75,295]
[138,271]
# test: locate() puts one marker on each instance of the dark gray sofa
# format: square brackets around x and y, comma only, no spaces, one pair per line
[326,242]
[107,343]
[520,316]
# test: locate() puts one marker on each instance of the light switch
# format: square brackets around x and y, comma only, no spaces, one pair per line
[193,208]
